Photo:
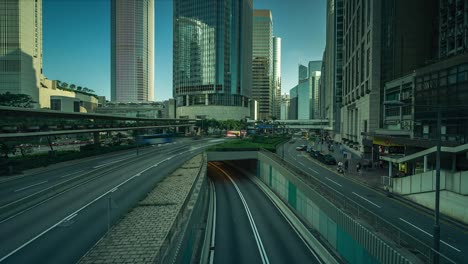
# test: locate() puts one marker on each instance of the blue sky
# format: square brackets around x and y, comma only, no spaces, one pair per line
[76,40]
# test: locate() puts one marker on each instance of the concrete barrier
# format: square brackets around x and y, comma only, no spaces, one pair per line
[164,226]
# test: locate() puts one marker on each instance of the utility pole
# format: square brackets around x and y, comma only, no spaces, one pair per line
[437,190]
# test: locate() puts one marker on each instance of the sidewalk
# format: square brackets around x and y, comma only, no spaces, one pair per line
[369,176]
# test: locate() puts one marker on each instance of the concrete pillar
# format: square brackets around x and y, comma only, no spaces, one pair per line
[96,138]
[425,163]
[454,162]
[390,165]
[206,99]
[187,101]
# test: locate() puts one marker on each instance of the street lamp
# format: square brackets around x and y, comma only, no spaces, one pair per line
[436,242]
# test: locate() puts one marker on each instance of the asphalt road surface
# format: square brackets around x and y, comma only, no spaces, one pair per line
[249,228]
[454,239]
[62,229]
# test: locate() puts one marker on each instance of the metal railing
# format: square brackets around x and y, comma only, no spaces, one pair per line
[374,222]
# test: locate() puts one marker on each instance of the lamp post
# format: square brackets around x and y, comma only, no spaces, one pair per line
[436,228]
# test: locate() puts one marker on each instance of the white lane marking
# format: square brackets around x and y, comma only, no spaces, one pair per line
[213,233]
[450,246]
[301,163]
[367,200]
[70,217]
[429,234]
[334,181]
[109,163]
[257,182]
[415,227]
[70,174]
[261,249]
[66,218]
[313,170]
[29,186]
[76,212]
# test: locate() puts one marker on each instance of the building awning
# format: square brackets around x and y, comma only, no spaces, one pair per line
[387,142]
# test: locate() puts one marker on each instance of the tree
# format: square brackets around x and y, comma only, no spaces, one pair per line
[72,86]
[59,83]
[85,89]
[79,88]
[91,91]
[65,85]
[7,148]
[16,100]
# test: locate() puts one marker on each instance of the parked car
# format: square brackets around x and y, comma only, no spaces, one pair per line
[301,148]
[329,159]
[320,156]
[314,153]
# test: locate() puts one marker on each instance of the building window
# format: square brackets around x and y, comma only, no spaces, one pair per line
[76,106]
[56,104]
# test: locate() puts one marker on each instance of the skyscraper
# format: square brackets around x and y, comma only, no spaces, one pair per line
[277,76]
[21,47]
[212,58]
[314,66]
[262,65]
[303,73]
[132,45]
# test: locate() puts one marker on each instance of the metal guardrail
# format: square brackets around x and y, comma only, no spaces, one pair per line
[375,222]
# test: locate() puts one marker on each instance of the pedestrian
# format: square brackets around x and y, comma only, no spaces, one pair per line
[358,166]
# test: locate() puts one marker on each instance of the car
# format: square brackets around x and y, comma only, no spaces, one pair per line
[301,148]
[329,159]
[314,153]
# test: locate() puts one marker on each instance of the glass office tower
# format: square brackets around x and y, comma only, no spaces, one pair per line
[132,46]
[262,63]
[212,58]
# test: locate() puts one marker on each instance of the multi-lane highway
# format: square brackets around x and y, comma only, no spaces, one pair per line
[61,229]
[454,239]
[248,227]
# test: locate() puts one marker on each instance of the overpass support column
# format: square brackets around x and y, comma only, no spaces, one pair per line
[454,162]
[96,138]
[390,168]
[425,163]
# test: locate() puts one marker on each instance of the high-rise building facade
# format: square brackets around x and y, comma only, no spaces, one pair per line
[284,115]
[303,73]
[132,50]
[360,112]
[304,98]
[314,66]
[21,47]
[212,58]
[453,27]
[262,63]
[277,76]
[332,76]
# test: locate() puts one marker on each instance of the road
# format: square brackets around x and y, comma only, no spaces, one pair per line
[62,229]
[454,239]
[249,228]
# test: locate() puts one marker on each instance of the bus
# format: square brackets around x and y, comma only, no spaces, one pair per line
[155,139]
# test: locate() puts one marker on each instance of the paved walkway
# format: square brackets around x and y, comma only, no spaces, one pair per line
[142,235]
[369,176]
